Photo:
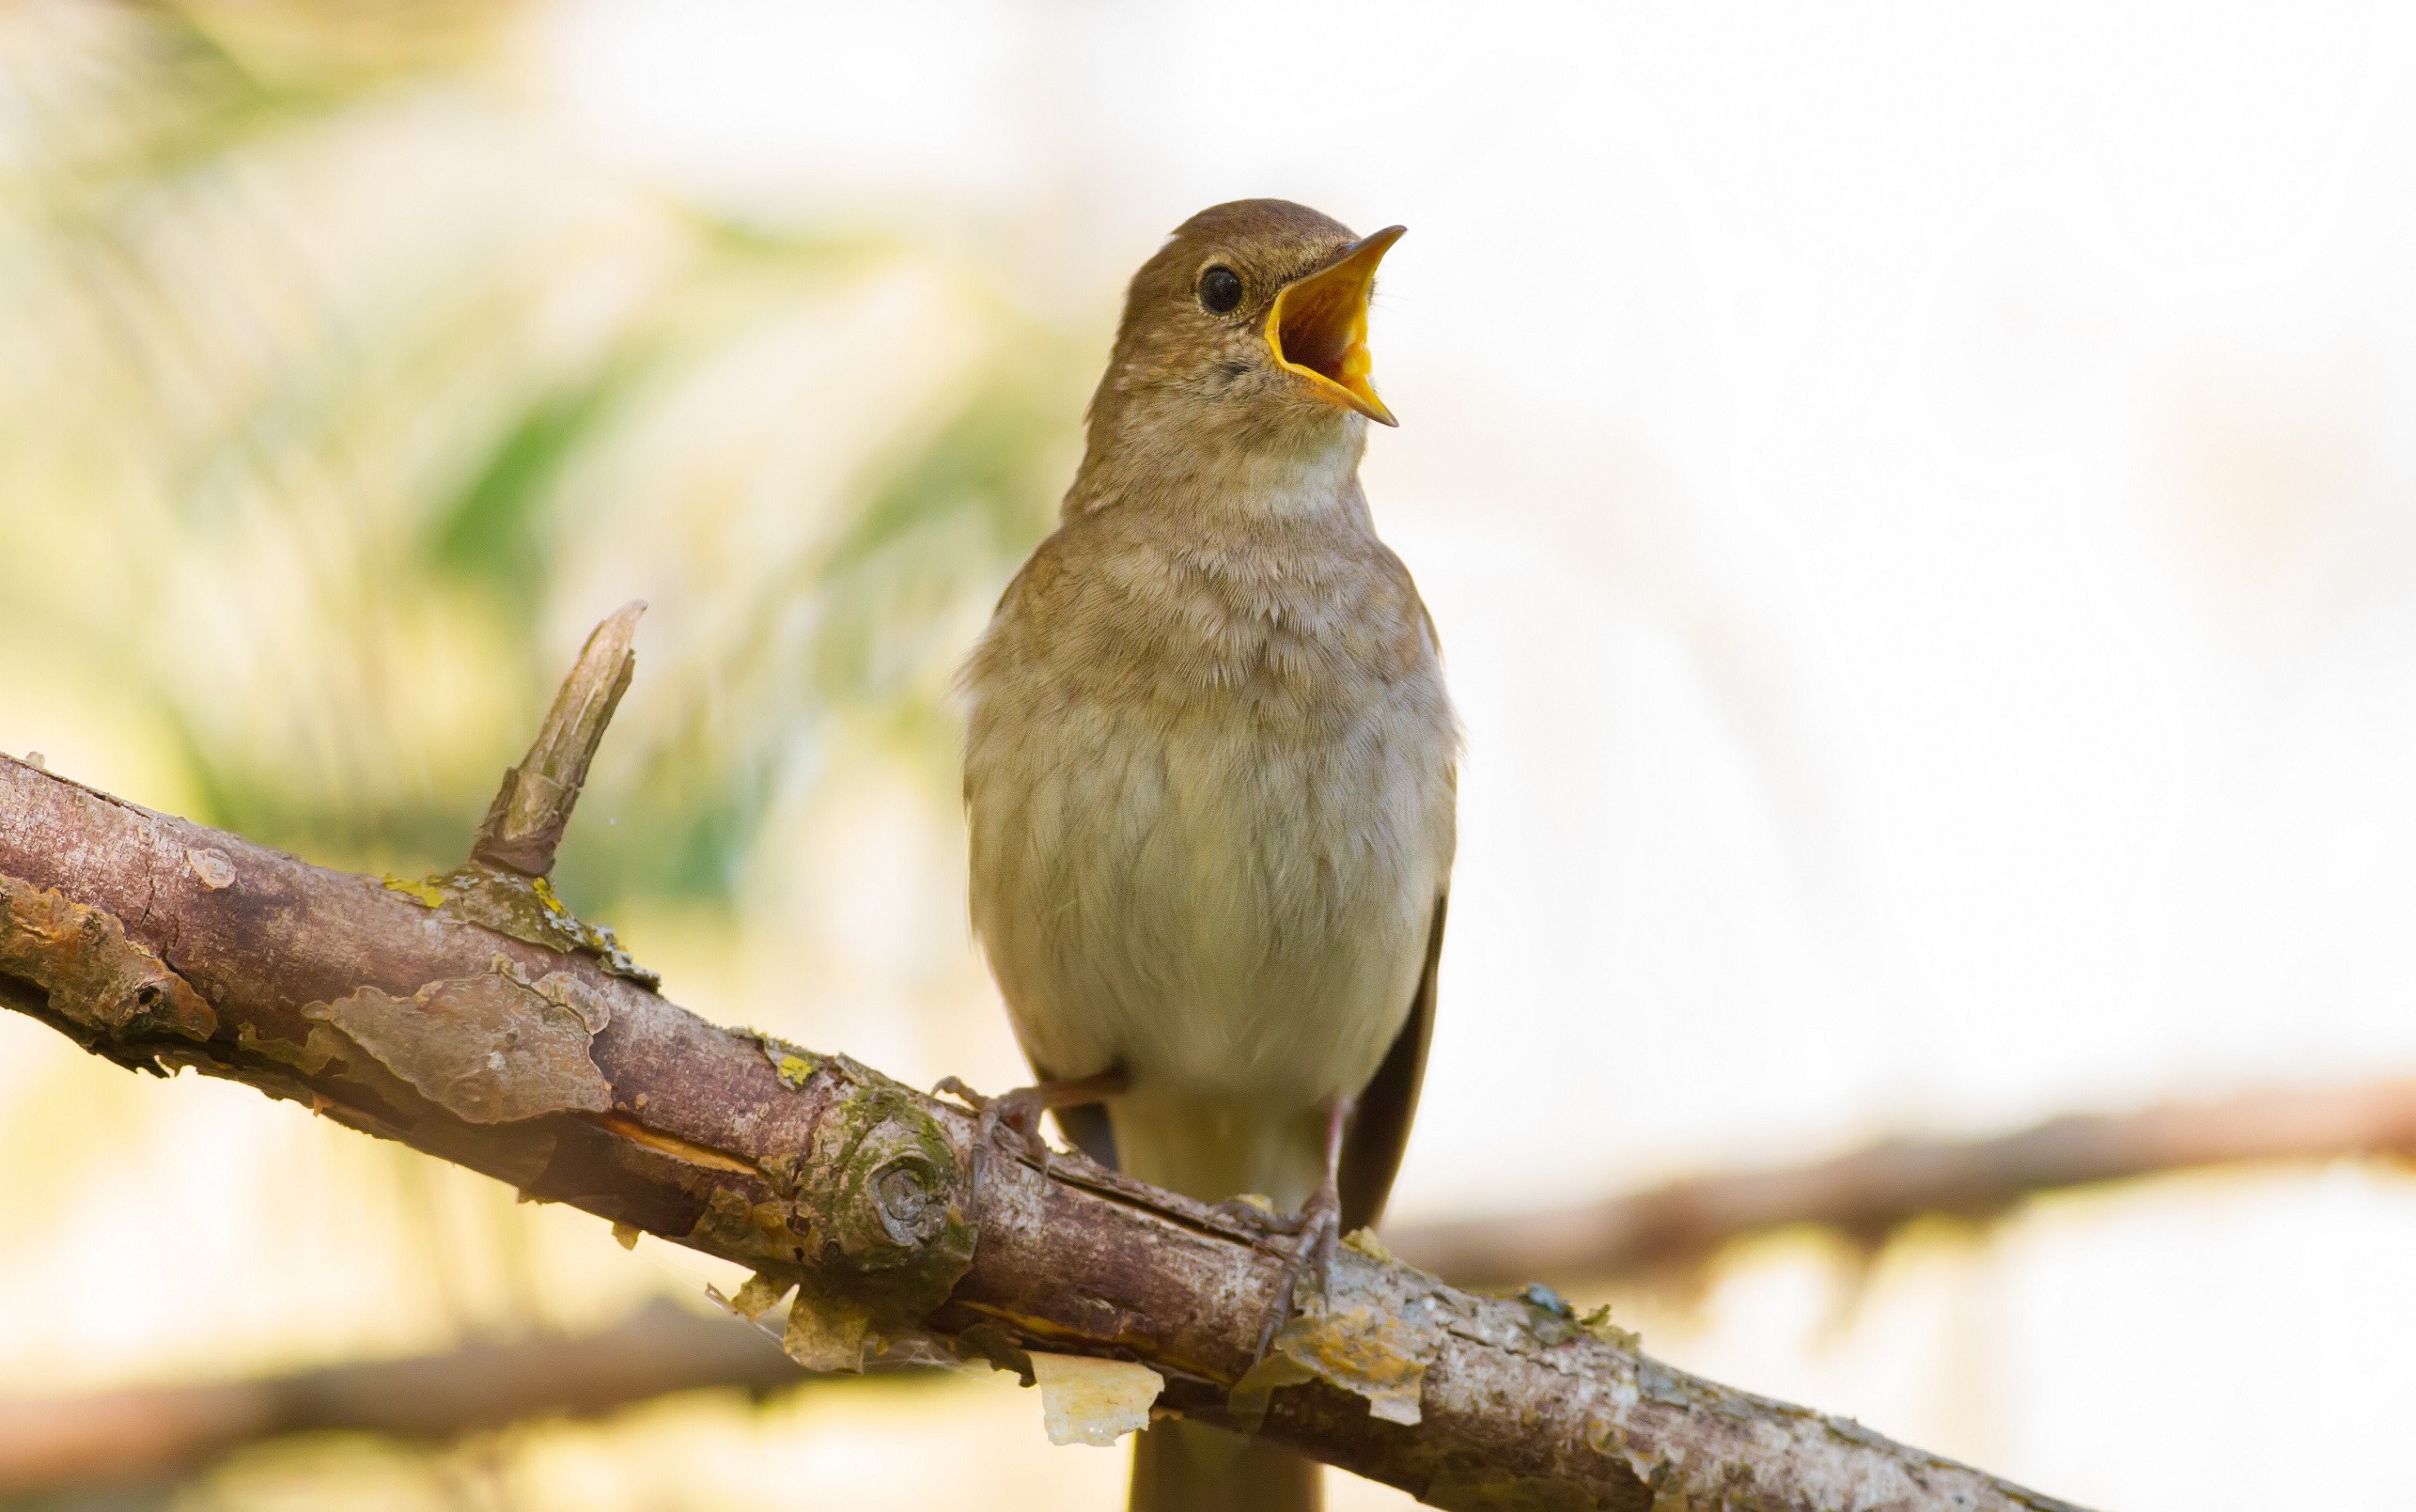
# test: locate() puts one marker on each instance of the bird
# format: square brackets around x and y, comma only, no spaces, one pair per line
[1211,775]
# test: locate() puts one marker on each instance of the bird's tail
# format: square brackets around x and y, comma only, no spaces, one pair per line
[1209,1149]
[1190,1467]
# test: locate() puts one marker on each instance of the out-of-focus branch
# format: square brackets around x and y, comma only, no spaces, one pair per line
[136,1435]
[522,1045]
[1871,1193]
[162,1433]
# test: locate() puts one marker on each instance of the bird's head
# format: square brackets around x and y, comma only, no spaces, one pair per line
[1248,329]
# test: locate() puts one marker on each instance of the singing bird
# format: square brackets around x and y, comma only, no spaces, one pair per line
[1210,772]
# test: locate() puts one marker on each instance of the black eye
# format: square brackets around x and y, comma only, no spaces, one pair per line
[1220,288]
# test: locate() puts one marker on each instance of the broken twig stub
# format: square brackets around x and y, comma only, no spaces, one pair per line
[504,885]
[524,825]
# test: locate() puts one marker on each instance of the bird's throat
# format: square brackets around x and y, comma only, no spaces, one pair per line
[1165,461]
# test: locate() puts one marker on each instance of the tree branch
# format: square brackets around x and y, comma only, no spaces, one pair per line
[400,1010]
[1871,1193]
[112,1437]
[160,1434]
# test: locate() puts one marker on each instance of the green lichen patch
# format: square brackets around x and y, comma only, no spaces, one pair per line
[78,965]
[525,908]
[885,1180]
[793,1064]
[1598,1323]
[880,1186]
[868,1221]
[423,892]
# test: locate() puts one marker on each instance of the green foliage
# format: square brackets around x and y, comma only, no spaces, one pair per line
[494,533]
[364,465]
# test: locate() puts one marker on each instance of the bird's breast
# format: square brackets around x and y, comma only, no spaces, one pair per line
[1211,801]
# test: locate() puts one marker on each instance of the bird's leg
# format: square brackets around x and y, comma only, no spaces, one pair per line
[1318,1225]
[1019,1111]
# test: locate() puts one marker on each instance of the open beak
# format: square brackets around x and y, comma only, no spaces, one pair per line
[1318,325]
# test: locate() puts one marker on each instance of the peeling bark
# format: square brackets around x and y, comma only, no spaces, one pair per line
[823,1175]
[490,1048]
[74,965]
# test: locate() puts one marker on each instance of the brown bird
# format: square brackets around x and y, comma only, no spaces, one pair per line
[1210,773]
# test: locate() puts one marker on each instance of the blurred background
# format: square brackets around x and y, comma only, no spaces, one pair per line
[1920,503]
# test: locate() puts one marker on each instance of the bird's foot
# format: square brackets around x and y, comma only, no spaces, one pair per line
[1319,1226]
[1017,1112]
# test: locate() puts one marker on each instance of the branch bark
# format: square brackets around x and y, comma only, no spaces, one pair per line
[516,1047]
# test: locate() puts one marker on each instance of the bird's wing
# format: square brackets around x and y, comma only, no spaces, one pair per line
[1380,1129]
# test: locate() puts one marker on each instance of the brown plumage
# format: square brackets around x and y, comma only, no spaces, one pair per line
[1210,768]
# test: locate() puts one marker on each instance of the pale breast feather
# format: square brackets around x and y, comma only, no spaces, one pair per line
[1210,839]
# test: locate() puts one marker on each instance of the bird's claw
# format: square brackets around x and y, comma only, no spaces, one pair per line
[1319,1224]
[1017,1111]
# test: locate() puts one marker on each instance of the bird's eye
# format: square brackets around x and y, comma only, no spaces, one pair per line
[1220,290]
